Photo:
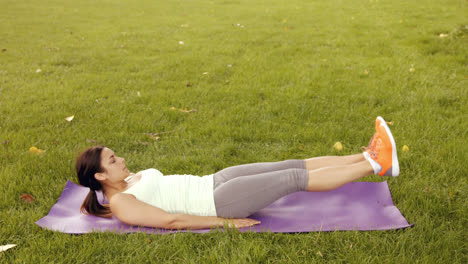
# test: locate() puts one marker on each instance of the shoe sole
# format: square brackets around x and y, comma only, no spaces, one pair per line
[395,169]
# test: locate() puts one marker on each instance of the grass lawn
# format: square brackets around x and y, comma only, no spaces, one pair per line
[270,80]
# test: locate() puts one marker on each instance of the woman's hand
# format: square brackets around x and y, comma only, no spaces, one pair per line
[242,222]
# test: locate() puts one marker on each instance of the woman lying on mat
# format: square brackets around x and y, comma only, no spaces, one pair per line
[148,199]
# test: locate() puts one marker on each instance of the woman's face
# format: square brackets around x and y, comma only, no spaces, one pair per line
[114,167]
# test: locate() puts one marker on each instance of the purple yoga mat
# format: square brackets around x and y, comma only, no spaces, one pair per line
[354,206]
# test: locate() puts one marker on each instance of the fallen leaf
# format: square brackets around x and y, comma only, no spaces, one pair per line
[3,50]
[188,85]
[70,118]
[205,73]
[411,69]
[442,35]
[229,65]
[153,136]
[6,247]
[27,198]
[451,194]
[138,94]
[149,241]
[338,146]
[320,254]
[38,70]
[142,143]
[35,150]
[185,110]
[181,42]
[426,189]
[405,148]
[389,123]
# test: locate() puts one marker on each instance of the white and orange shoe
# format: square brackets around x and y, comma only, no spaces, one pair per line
[373,140]
[382,149]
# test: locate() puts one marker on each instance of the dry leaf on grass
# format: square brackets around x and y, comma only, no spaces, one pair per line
[153,136]
[185,110]
[35,150]
[338,146]
[70,118]
[142,142]
[27,198]
[6,247]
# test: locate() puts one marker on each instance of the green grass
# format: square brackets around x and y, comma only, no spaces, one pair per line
[304,75]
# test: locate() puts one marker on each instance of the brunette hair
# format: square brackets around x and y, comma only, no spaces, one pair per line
[88,164]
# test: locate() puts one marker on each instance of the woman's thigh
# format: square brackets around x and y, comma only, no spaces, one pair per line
[230,173]
[245,195]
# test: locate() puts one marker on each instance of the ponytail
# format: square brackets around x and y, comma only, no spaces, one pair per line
[91,206]
[87,165]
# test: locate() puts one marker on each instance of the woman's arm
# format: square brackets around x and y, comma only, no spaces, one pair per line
[185,221]
[133,212]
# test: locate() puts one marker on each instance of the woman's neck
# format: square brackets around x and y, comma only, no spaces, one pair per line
[111,190]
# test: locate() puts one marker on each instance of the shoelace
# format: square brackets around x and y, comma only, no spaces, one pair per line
[373,148]
[375,153]
[371,144]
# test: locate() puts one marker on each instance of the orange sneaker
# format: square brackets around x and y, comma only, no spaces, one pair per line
[383,151]
[373,140]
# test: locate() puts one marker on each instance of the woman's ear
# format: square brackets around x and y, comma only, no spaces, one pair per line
[99,176]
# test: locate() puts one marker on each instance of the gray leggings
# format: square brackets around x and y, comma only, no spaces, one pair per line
[242,190]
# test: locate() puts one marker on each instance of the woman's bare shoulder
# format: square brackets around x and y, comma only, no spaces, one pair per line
[119,198]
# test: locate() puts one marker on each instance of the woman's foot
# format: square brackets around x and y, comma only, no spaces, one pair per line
[382,150]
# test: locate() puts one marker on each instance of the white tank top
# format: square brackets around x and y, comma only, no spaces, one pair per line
[175,194]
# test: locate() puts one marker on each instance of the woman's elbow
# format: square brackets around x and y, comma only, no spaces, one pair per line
[172,222]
